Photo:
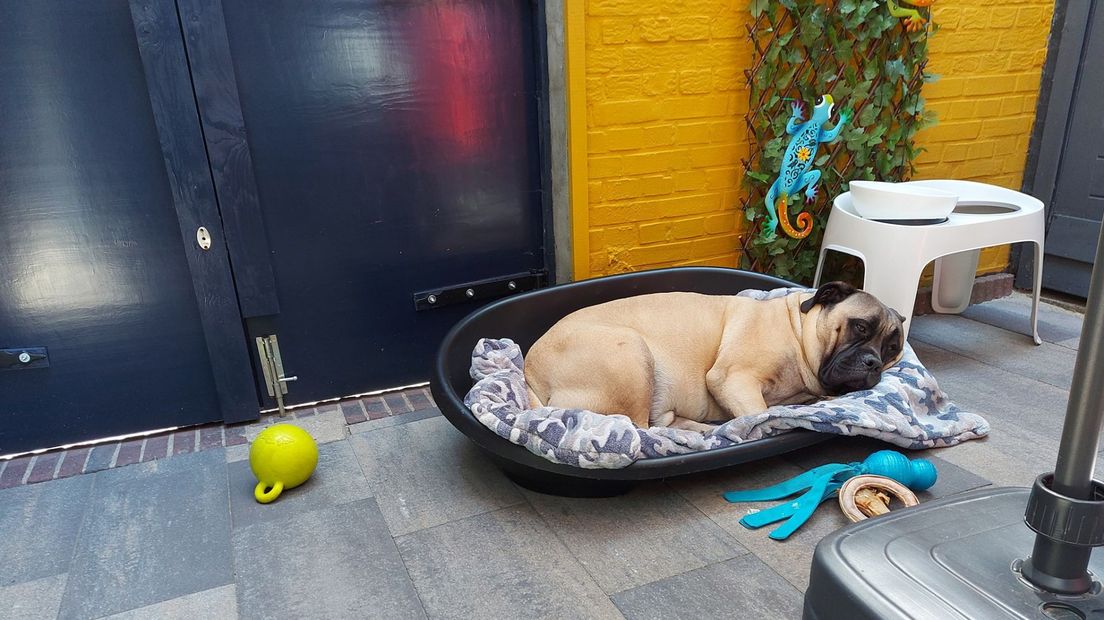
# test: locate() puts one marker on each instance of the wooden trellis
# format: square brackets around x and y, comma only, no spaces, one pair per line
[870,63]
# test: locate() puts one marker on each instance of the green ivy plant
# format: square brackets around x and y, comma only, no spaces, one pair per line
[861,55]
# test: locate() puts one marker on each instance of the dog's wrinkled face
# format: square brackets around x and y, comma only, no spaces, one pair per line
[860,335]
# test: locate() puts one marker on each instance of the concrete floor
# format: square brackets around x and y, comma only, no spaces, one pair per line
[405,519]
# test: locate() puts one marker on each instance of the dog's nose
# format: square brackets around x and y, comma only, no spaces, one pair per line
[870,361]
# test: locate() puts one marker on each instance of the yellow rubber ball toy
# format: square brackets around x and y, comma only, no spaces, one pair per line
[282,457]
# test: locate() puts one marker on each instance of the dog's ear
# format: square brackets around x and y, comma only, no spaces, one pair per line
[900,317]
[828,294]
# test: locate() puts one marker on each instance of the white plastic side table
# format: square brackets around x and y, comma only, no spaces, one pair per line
[894,255]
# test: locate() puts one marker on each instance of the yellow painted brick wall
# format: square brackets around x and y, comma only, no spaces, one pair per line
[990,56]
[665,98]
[665,101]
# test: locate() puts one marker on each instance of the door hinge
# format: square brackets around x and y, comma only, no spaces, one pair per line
[268,349]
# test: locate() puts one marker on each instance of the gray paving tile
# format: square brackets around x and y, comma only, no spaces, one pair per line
[1014,314]
[1070,343]
[426,473]
[1009,456]
[649,534]
[951,479]
[1000,396]
[997,347]
[336,480]
[325,426]
[336,562]
[214,604]
[33,600]
[790,558]
[153,532]
[39,525]
[502,564]
[237,453]
[743,587]
[395,420]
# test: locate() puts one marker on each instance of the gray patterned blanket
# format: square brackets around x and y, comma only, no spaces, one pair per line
[906,408]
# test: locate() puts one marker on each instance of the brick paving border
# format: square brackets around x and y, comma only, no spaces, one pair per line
[56,464]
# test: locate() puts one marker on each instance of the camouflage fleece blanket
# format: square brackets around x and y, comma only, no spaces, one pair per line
[906,408]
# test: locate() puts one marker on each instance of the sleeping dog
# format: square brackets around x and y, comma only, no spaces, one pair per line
[684,359]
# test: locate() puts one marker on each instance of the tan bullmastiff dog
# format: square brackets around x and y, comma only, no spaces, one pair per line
[685,359]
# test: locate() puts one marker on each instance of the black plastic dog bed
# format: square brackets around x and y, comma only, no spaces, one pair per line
[526,317]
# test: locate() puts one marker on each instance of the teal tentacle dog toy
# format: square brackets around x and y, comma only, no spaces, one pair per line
[822,483]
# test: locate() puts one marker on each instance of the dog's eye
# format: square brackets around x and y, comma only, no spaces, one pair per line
[860,328]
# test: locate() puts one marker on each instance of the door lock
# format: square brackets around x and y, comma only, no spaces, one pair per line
[268,349]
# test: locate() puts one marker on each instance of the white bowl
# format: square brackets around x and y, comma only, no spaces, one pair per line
[876,200]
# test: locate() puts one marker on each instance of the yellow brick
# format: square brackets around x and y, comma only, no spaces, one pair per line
[1020,61]
[1002,18]
[682,205]
[980,150]
[635,138]
[614,235]
[656,254]
[694,107]
[1032,17]
[966,64]
[710,246]
[947,132]
[655,29]
[659,161]
[695,81]
[1007,126]
[972,169]
[623,112]
[617,30]
[944,88]
[693,133]
[595,193]
[721,178]
[623,7]
[690,180]
[1011,106]
[594,90]
[955,152]
[726,27]
[639,187]
[604,60]
[599,167]
[691,28]
[721,223]
[958,110]
[596,142]
[989,85]
[672,230]
[660,83]
[728,78]
[1028,82]
[708,156]
[624,86]
[1004,146]
[988,107]
[728,131]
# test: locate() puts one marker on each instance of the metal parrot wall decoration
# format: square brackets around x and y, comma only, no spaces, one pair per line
[797,171]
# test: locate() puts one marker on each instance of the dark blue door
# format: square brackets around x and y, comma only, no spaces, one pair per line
[94,271]
[395,148]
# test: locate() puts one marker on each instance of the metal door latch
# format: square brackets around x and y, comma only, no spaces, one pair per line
[203,238]
[273,368]
[24,358]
